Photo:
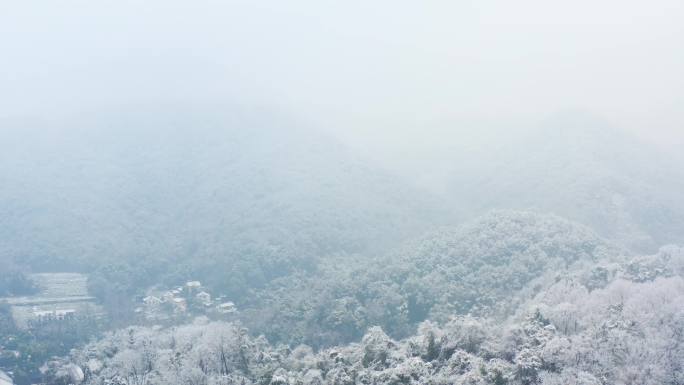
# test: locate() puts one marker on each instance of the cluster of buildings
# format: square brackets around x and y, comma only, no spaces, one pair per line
[190,299]
[61,296]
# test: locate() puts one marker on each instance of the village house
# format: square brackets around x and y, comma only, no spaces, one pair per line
[226,308]
[204,298]
[193,286]
[151,300]
[63,314]
[180,305]
[167,296]
[43,315]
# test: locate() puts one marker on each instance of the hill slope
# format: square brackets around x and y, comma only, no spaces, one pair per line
[240,197]
[569,333]
[485,267]
[581,168]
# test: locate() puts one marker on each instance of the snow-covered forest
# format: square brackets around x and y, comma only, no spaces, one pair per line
[336,193]
[602,321]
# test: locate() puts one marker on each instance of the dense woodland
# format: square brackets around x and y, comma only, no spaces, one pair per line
[605,323]
[556,266]
[245,195]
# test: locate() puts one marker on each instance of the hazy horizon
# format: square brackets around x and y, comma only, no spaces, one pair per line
[381,76]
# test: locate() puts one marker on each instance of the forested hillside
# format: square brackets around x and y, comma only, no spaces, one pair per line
[485,267]
[309,192]
[594,325]
[324,258]
[234,197]
[581,167]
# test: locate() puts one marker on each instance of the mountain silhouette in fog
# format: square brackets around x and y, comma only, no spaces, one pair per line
[582,168]
[223,188]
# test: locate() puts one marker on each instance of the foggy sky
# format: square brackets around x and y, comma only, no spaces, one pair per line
[398,79]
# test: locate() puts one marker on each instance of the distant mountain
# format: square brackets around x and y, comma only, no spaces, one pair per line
[240,197]
[582,168]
